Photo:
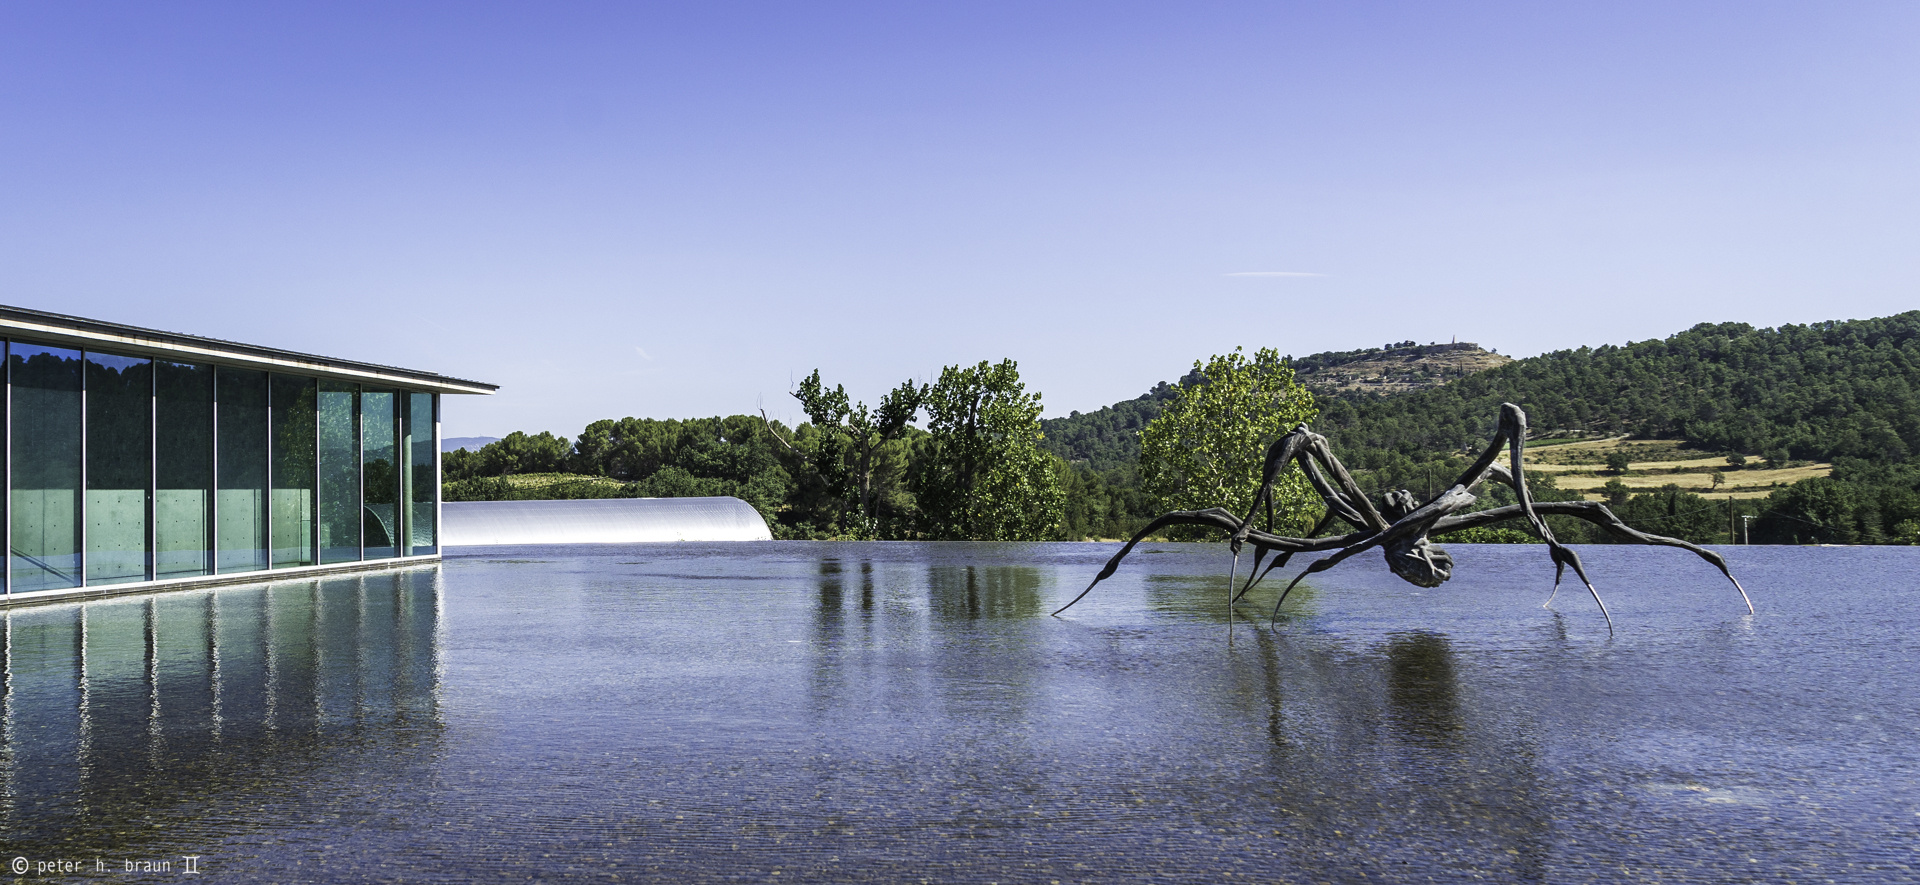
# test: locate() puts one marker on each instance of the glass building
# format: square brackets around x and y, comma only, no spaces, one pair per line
[137,459]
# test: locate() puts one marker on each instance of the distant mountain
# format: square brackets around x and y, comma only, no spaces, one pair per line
[1835,389]
[470,443]
[1397,368]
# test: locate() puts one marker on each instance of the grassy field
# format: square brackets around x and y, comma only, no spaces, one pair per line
[1580,465]
[536,480]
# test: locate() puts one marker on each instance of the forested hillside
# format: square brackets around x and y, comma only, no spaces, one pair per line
[1840,391]
[1818,392]
[1107,439]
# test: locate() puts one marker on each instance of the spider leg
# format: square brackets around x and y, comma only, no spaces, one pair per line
[1278,456]
[1598,514]
[1343,496]
[1513,434]
[1235,573]
[1275,619]
[1350,491]
[1210,516]
[1253,581]
[1573,559]
[1337,504]
[1259,556]
[1213,517]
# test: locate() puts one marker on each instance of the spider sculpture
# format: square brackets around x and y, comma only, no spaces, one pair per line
[1401,526]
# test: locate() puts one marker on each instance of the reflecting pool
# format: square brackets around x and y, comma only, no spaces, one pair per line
[784,711]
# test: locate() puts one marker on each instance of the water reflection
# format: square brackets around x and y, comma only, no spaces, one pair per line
[731,714]
[1374,753]
[972,592]
[1421,690]
[121,720]
[1205,597]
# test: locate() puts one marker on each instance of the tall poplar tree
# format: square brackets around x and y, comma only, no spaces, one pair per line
[1208,446]
[983,475]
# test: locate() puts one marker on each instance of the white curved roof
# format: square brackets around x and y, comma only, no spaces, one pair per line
[600,521]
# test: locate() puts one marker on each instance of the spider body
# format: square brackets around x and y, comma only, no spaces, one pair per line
[1401,525]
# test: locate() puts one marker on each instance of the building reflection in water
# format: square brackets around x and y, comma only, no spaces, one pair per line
[122,718]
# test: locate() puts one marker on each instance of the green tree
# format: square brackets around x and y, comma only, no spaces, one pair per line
[1676,514]
[1618,462]
[1207,447]
[846,450]
[517,453]
[982,474]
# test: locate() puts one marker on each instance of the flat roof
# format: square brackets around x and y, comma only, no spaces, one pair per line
[54,328]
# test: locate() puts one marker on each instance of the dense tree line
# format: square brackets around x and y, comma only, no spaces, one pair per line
[734,456]
[976,472]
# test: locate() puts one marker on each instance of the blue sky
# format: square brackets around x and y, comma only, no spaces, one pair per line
[677,210]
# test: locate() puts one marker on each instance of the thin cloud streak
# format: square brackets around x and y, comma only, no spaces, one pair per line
[1274,273]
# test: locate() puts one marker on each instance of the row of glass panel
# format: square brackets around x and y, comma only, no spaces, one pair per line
[128,469]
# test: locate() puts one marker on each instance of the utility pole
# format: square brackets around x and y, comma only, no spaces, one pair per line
[1746,529]
[1731,537]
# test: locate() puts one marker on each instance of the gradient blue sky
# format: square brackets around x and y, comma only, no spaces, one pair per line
[677,210]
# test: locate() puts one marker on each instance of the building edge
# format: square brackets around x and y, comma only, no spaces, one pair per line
[273,576]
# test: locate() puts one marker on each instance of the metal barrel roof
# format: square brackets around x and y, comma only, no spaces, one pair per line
[600,521]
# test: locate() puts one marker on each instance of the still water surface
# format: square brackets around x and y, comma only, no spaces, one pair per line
[793,712]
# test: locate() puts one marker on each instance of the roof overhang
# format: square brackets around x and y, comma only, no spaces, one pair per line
[53,328]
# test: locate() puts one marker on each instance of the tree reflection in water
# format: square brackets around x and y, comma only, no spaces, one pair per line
[1425,710]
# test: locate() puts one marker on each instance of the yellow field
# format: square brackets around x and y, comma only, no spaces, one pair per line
[1715,462]
[1581,466]
[1739,483]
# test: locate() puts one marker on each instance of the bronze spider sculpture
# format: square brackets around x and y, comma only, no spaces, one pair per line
[1401,526]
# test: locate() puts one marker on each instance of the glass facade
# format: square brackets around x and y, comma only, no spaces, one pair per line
[380,472]
[44,385]
[124,468]
[183,470]
[339,472]
[119,467]
[240,468]
[421,483]
[294,477]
